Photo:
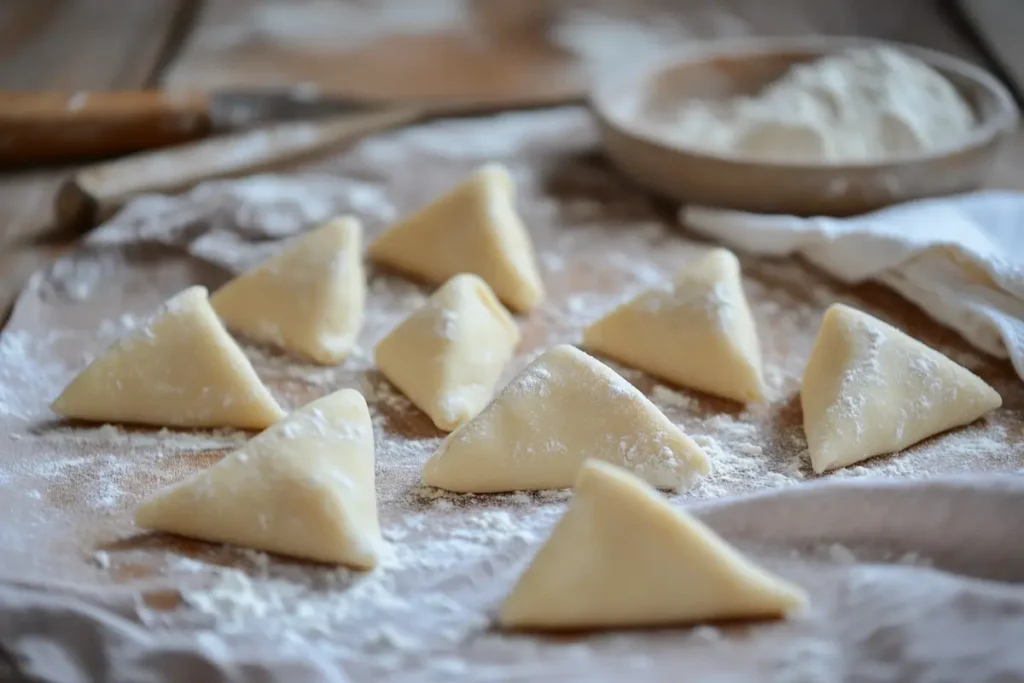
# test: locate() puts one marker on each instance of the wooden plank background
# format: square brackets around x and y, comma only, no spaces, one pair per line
[70,45]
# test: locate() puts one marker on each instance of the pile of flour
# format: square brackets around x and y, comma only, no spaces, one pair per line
[861,105]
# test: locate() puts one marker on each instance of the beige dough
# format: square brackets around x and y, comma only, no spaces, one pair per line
[697,332]
[622,557]
[474,228]
[448,356]
[563,408]
[307,299]
[870,389]
[181,369]
[304,488]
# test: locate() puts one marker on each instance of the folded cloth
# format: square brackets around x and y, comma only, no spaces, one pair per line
[959,258]
[909,579]
[49,636]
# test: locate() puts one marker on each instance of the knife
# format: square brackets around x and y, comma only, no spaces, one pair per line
[94,192]
[49,127]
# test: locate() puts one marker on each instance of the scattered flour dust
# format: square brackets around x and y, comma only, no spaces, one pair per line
[24,370]
[98,468]
[431,592]
[837,553]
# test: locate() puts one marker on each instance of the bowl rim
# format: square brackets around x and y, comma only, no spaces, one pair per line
[999,122]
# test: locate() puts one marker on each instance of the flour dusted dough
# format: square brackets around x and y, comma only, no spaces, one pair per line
[622,557]
[563,408]
[448,356]
[472,229]
[307,299]
[181,369]
[304,488]
[870,389]
[697,333]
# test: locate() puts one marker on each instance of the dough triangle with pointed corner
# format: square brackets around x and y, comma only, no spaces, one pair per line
[563,408]
[870,389]
[622,557]
[181,369]
[474,228]
[304,488]
[448,356]
[308,299]
[698,332]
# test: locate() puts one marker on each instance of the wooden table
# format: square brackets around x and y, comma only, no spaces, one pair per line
[112,44]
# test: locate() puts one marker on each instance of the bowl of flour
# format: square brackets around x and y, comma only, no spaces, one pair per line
[821,125]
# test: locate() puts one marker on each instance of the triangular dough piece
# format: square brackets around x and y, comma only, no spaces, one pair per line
[181,369]
[870,389]
[448,356]
[697,333]
[308,299]
[622,556]
[563,408]
[474,228]
[304,488]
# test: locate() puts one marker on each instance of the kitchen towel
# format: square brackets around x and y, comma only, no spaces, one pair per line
[960,258]
[910,580]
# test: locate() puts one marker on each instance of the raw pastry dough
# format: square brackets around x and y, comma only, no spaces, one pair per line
[870,389]
[182,369]
[697,332]
[304,487]
[563,408]
[474,228]
[307,299]
[448,356]
[622,556]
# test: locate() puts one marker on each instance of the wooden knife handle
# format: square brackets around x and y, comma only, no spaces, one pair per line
[38,128]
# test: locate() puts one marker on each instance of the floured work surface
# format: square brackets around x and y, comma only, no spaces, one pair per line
[68,491]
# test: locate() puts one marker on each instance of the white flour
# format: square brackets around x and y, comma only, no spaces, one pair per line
[862,105]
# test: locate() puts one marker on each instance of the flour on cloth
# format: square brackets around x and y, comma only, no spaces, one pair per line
[961,258]
[69,490]
[908,579]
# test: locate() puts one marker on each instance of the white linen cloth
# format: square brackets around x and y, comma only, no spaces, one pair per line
[959,258]
[955,613]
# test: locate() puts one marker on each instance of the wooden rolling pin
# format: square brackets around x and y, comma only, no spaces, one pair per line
[51,127]
[95,192]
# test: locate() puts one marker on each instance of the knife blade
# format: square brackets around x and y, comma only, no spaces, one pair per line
[50,127]
[242,108]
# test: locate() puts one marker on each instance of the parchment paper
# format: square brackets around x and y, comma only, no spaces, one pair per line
[912,578]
